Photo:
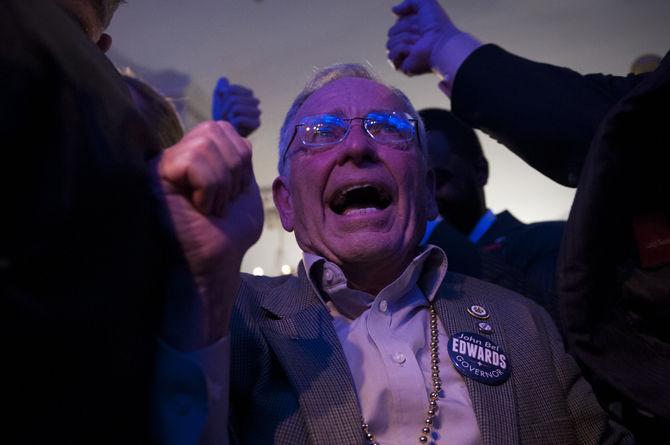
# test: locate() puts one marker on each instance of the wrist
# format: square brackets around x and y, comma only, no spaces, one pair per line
[218,295]
[449,52]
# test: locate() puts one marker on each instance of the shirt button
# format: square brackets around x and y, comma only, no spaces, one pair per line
[383,305]
[399,358]
[328,276]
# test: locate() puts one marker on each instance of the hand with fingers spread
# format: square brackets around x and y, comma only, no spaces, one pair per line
[237,105]
[422,26]
[215,206]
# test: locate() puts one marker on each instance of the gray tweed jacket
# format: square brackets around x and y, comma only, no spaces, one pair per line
[290,382]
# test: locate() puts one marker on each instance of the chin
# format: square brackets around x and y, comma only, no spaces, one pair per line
[369,246]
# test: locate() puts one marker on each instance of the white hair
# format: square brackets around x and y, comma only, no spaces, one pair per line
[320,79]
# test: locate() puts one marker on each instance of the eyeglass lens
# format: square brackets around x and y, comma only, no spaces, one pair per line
[329,129]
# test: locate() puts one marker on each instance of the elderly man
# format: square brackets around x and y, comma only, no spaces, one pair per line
[373,341]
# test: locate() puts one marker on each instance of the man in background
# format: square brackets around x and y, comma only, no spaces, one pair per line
[507,247]
[368,343]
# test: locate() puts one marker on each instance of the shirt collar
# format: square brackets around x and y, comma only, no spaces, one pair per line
[430,227]
[483,225]
[426,271]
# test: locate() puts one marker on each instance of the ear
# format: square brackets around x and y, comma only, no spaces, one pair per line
[104,42]
[282,198]
[431,204]
[482,171]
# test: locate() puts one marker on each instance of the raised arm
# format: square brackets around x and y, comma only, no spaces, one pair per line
[208,186]
[545,114]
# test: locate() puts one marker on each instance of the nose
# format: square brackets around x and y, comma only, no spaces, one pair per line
[357,146]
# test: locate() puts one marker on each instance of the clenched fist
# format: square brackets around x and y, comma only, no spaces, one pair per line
[215,206]
[421,27]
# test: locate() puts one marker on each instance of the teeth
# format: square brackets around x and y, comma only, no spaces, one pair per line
[360,211]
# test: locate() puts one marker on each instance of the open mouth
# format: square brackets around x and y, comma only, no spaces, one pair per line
[361,197]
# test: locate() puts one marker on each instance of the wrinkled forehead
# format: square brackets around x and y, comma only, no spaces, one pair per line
[351,97]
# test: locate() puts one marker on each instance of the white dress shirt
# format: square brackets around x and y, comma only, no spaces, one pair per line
[385,339]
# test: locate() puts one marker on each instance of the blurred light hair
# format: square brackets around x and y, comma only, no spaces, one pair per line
[157,110]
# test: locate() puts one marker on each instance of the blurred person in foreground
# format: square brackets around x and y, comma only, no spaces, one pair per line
[88,255]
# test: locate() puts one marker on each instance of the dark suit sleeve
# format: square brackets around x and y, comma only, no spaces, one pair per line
[545,114]
[588,417]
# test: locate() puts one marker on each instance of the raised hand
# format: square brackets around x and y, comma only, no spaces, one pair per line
[236,104]
[421,26]
[215,206]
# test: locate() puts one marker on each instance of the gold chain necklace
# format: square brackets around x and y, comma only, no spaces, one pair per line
[437,384]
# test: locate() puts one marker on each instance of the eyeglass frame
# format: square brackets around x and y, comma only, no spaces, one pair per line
[348,120]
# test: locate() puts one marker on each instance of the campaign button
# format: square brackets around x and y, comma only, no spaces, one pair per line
[484,327]
[478,358]
[478,311]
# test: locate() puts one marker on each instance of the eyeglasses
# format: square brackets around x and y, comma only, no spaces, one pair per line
[386,127]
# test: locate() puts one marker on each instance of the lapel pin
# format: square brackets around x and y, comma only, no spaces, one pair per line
[478,311]
[484,327]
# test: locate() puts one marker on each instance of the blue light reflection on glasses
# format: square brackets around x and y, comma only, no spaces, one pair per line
[328,129]
[323,130]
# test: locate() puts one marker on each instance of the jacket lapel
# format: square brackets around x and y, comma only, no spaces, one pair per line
[505,223]
[300,331]
[495,406]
